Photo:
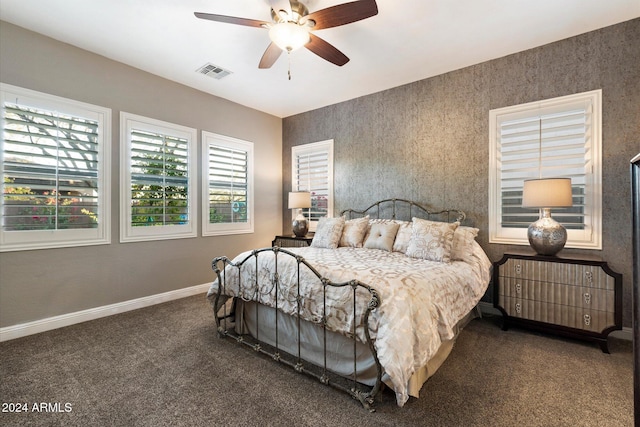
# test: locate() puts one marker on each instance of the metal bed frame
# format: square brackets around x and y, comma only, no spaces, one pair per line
[223,312]
[357,390]
[408,207]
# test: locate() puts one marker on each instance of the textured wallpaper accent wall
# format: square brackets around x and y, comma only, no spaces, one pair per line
[428,141]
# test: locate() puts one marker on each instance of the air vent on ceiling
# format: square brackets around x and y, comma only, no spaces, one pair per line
[213,71]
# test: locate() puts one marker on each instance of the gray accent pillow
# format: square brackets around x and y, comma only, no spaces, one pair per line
[328,233]
[431,240]
[382,236]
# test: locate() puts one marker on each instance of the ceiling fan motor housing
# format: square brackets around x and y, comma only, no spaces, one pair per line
[298,10]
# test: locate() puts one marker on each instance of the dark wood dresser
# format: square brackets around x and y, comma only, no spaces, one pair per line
[570,296]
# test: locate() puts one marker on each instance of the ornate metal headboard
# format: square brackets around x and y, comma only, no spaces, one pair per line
[402,209]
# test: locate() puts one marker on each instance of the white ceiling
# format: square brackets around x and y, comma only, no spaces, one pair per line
[408,40]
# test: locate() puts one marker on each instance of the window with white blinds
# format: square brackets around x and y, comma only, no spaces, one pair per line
[158,191]
[228,185]
[312,170]
[54,168]
[557,138]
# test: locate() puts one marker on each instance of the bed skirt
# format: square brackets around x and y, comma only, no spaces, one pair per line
[340,349]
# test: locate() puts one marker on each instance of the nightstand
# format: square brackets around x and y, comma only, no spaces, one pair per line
[292,241]
[571,296]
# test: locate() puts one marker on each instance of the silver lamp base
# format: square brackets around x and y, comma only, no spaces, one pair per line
[300,226]
[546,235]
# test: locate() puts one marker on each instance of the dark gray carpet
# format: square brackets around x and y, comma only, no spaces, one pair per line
[165,366]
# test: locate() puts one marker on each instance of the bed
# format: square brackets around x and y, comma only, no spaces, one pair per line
[377,299]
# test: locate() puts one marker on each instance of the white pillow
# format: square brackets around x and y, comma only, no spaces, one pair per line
[431,240]
[382,236]
[328,233]
[462,248]
[354,231]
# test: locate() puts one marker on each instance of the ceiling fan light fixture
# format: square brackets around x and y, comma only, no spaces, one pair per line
[289,36]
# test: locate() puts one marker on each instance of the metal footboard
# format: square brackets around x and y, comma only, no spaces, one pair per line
[223,312]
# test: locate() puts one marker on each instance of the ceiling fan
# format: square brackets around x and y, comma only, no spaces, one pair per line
[292,27]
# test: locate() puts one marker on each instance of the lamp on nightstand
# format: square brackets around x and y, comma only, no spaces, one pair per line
[546,235]
[300,200]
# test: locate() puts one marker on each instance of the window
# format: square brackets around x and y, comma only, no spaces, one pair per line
[158,190]
[560,137]
[312,170]
[55,171]
[227,190]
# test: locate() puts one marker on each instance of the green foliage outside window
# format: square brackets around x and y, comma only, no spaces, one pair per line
[160,197]
[26,209]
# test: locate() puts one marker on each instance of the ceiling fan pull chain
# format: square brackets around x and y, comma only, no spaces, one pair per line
[289,62]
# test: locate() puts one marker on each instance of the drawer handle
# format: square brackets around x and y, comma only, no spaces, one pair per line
[587,319]
[518,269]
[587,298]
[518,307]
[589,276]
[518,288]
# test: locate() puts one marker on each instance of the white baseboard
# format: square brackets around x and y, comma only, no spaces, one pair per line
[624,334]
[43,325]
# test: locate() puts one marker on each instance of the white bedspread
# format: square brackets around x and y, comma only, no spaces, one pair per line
[421,301]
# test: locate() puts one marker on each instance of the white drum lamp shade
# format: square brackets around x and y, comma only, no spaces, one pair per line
[547,193]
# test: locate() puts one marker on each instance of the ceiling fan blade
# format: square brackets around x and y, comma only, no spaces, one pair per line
[232,20]
[342,14]
[278,5]
[270,56]
[326,50]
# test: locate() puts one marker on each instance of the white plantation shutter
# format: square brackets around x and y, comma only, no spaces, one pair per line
[313,171]
[557,138]
[159,179]
[55,157]
[227,186]
[54,164]
[158,189]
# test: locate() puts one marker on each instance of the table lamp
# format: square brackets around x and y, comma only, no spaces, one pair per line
[546,235]
[299,200]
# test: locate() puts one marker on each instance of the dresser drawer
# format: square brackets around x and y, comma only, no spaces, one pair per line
[573,274]
[557,314]
[558,293]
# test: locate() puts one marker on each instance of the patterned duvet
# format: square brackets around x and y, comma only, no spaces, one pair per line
[421,301]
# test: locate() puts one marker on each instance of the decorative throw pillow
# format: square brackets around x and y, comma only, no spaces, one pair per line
[354,231]
[376,221]
[403,237]
[462,248]
[431,240]
[328,233]
[382,236]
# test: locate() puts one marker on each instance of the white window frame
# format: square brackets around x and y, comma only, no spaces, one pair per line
[129,233]
[305,150]
[210,139]
[46,239]
[591,236]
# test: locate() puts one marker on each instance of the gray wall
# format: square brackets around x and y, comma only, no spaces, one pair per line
[428,141]
[43,283]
